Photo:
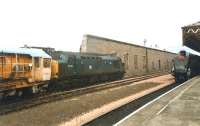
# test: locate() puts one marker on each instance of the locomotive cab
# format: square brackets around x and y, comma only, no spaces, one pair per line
[41,69]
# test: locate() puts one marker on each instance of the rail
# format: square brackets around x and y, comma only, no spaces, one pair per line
[28,103]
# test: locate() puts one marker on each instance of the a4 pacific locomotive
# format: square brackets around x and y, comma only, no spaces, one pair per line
[31,70]
[186,65]
[180,69]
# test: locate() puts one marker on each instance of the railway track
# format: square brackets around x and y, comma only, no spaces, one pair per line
[113,117]
[46,98]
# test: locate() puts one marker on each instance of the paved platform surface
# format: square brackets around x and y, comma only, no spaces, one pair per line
[78,110]
[180,107]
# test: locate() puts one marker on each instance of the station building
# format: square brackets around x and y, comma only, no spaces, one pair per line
[138,60]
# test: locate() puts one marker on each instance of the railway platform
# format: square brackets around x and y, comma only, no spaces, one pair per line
[81,109]
[177,107]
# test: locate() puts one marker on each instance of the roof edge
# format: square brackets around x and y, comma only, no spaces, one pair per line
[126,43]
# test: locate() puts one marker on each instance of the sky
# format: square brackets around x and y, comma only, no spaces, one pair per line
[61,24]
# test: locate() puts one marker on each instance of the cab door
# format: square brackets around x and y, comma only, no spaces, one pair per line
[37,69]
[46,72]
[71,65]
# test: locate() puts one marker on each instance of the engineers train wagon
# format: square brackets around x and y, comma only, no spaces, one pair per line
[23,68]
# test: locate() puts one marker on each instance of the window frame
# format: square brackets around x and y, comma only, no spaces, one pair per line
[46,62]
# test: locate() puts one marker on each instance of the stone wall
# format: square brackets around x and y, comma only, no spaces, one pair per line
[134,57]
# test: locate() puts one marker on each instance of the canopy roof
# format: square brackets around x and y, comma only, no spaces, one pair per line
[191,36]
[190,51]
[194,24]
[28,51]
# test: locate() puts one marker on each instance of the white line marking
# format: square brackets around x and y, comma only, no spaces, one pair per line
[128,116]
[173,99]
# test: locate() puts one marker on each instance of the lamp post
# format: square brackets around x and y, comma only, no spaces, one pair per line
[145,41]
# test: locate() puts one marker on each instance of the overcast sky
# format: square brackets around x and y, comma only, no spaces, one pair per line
[62,23]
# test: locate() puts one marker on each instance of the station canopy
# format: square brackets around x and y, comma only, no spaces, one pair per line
[189,50]
[191,36]
[28,51]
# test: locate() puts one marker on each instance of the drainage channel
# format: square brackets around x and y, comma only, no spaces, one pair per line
[116,115]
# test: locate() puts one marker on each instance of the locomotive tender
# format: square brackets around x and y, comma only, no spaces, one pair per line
[28,69]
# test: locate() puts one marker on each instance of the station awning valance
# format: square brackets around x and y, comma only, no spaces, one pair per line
[191,36]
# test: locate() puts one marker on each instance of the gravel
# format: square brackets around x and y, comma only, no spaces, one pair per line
[55,113]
